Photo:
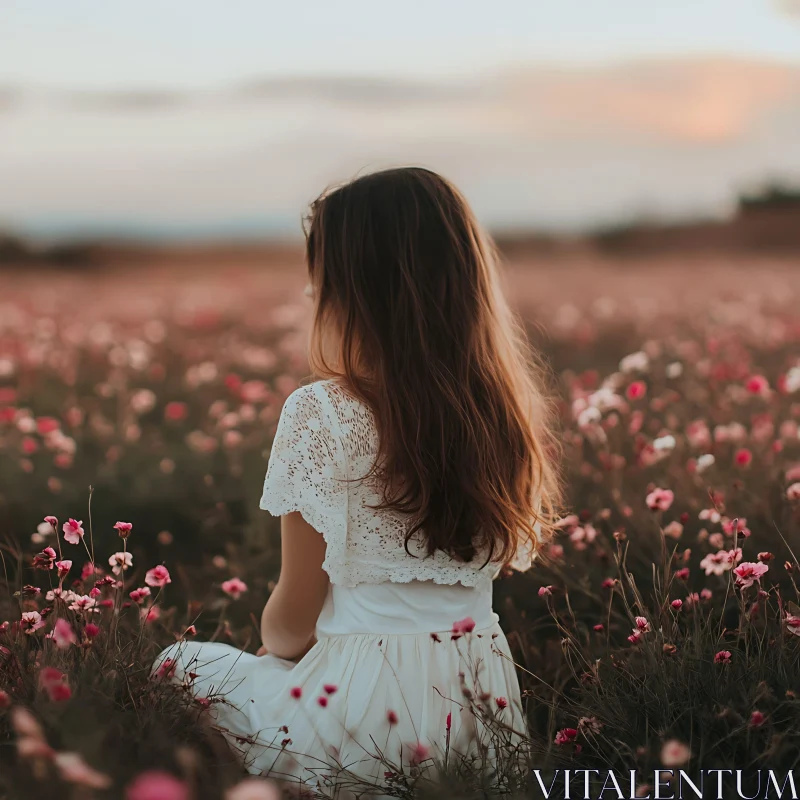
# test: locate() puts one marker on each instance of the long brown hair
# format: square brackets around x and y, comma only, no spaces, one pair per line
[407,291]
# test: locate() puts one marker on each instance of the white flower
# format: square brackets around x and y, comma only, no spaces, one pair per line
[675,369]
[792,382]
[665,443]
[120,562]
[704,462]
[635,362]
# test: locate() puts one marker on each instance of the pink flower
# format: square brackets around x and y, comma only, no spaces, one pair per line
[642,624]
[545,591]
[748,572]
[45,559]
[743,457]
[82,602]
[419,753]
[73,532]
[723,657]
[792,624]
[636,390]
[466,625]
[234,588]
[123,529]
[158,576]
[501,702]
[63,568]
[120,562]
[793,492]
[55,685]
[62,634]
[53,522]
[634,637]
[674,753]
[566,736]
[156,785]
[138,595]
[73,769]
[166,669]
[91,630]
[176,411]
[757,719]
[757,384]
[677,604]
[31,621]
[659,499]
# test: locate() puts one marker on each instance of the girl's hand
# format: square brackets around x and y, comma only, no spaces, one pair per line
[262,651]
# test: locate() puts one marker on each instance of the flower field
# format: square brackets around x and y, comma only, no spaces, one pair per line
[662,628]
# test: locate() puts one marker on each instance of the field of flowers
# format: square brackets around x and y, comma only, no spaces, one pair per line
[661,629]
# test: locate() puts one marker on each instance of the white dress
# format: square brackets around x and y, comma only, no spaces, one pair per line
[387,674]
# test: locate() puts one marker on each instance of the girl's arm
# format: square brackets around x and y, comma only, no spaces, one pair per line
[290,616]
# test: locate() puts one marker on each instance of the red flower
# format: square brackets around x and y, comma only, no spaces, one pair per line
[330,688]
[501,702]
[723,657]
[296,692]
[636,390]
[391,717]
[566,736]
[175,411]
[756,719]
[322,701]
[743,457]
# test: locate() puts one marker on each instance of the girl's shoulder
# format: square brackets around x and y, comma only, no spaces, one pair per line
[331,403]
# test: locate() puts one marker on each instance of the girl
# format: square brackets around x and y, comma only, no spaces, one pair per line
[417,465]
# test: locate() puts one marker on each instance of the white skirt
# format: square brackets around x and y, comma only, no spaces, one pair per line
[361,707]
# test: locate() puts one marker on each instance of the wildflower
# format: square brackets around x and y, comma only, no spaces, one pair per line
[757,719]
[30,736]
[609,583]
[674,530]
[139,595]
[73,532]
[157,784]
[717,563]
[166,669]
[635,362]
[82,603]
[63,568]
[234,588]
[674,753]
[793,492]
[659,499]
[636,390]
[677,604]
[63,635]
[150,614]
[466,625]
[501,702]
[722,657]
[120,562]
[91,630]
[682,574]
[735,526]
[757,384]
[158,576]
[31,621]
[123,529]
[73,769]
[45,559]
[765,556]
[190,631]
[545,591]
[54,683]
[419,753]
[635,637]
[599,628]
[704,462]
[664,443]
[566,736]
[391,717]
[749,572]
[591,724]
[792,624]
[642,624]
[743,457]
[296,692]
[176,411]
[53,523]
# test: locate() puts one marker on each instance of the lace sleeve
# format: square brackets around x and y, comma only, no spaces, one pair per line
[306,467]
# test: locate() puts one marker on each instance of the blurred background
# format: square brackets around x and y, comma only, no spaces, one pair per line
[155,121]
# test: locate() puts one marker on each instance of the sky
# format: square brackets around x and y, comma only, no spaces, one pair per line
[87,44]
[547,113]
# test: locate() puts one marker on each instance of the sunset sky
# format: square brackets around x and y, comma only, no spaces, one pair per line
[549,113]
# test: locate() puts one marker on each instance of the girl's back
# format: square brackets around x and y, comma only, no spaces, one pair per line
[406,476]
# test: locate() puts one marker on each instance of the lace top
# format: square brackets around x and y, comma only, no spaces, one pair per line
[324,436]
